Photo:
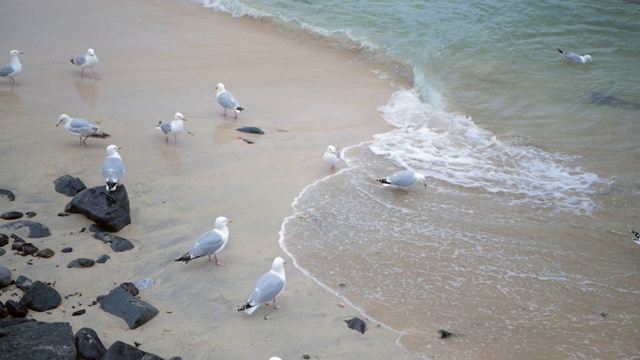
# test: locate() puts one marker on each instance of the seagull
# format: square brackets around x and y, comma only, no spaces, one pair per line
[636,236]
[88,60]
[172,128]
[113,167]
[268,287]
[403,178]
[227,100]
[332,156]
[81,128]
[209,243]
[575,58]
[13,68]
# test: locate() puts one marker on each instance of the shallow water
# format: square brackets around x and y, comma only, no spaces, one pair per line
[521,244]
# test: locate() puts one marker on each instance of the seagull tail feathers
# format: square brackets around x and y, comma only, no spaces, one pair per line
[560,51]
[247,308]
[383,181]
[186,258]
[100,135]
[239,109]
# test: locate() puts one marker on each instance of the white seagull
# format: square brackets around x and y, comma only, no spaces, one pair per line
[81,128]
[86,61]
[209,243]
[172,128]
[268,287]
[112,168]
[332,156]
[227,100]
[403,178]
[575,58]
[13,68]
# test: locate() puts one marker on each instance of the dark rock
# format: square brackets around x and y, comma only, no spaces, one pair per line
[5,276]
[17,238]
[67,250]
[95,228]
[3,311]
[17,245]
[41,297]
[16,309]
[30,214]
[118,244]
[4,323]
[8,194]
[81,263]
[12,215]
[122,351]
[356,324]
[45,253]
[250,130]
[88,345]
[63,214]
[134,311]
[69,185]
[2,251]
[36,230]
[130,288]
[103,259]
[79,312]
[35,340]
[4,240]
[23,283]
[28,249]
[109,209]
[444,334]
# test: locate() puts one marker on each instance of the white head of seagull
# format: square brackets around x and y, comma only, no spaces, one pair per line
[227,100]
[13,68]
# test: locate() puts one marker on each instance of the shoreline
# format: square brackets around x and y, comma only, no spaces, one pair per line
[304,97]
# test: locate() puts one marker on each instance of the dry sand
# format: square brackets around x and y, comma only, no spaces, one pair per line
[158,58]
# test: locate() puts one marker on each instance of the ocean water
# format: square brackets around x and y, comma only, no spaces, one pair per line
[520,246]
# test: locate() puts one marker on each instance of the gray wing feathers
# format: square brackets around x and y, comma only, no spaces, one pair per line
[6,70]
[80,59]
[112,169]
[83,127]
[402,178]
[165,127]
[267,288]
[207,244]
[227,100]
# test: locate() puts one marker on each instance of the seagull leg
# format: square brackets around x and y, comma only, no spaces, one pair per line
[166,138]
[236,114]
[218,262]
[96,74]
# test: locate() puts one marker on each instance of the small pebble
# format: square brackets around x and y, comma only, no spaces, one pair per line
[341,304]
[67,250]
[30,214]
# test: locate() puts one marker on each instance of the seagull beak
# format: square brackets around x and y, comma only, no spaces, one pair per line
[21,53]
[57,124]
[229,220]
[119,148]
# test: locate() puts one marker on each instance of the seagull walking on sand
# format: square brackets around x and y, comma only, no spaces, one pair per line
[575,58]
[172,128]
[403,178]
[86,61]
[112,168]
[209,243]
[332,156]
[227,100]
[268,287]
[13,68]
[81,128]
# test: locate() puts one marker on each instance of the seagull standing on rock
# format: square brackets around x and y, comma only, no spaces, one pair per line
[112,168]
[227,100]
[13,68]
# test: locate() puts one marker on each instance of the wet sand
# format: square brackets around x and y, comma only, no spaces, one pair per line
[158,58]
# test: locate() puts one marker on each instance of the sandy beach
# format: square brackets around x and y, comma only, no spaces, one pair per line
[158,58]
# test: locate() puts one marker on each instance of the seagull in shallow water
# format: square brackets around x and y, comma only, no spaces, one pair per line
[403,178]
[332,156]
[575,58]
[13,68]
[227,100]
[209,243]
[268,287]
[81,128]
[88,61]
[172,128]
[112,167]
